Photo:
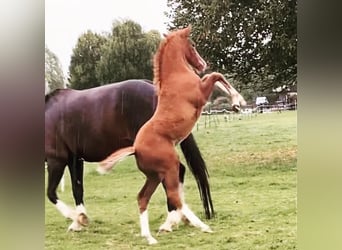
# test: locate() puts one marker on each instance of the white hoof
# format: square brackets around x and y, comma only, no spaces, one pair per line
[82,219]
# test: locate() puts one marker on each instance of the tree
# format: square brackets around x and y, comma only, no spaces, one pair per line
[128,53]
[254,42]
[54,77]
[85,57]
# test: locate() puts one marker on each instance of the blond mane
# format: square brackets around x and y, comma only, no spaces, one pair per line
[157,64]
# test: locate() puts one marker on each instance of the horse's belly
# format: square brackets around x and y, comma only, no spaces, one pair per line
[174,123]
[181,132]
[179,129]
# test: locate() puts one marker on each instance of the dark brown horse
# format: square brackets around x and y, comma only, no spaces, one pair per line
[90,124]
[181,97]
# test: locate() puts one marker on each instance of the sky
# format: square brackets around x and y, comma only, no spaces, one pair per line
[66,20]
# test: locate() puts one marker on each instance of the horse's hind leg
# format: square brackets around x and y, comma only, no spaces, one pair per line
[178,205]
[194,220]
[181,182]
[181,188]
[76,173]
[174,216]
[143,199]
[173,186]
[187,217]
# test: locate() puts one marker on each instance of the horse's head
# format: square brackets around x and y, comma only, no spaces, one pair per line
[191,55]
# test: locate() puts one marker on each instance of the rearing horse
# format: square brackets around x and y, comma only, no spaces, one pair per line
[181,97]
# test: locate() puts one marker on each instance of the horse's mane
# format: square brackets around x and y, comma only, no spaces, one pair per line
[157,63]
[52,94]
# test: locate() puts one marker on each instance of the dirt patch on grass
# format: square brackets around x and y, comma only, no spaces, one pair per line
[264,157]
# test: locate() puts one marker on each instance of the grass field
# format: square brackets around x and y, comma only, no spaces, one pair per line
[252,167]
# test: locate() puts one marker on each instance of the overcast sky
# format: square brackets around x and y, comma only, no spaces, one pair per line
[66,20]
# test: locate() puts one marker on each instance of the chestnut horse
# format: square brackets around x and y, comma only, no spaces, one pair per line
[181,97]
[90,124]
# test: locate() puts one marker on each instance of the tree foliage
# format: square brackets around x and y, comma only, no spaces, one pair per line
[128,53]
[85,57]
[124,53]
[54,77]
[254,42]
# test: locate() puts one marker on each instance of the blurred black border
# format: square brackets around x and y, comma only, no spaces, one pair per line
[22,191]
[319,125]
[22,125]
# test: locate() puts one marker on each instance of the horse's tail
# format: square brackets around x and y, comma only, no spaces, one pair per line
[107,164]
[199,170]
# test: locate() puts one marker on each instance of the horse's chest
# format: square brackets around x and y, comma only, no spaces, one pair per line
[197,103]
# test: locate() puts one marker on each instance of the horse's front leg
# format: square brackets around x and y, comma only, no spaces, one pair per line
[176,202]
[55,173]
[76,173]
[143,199]
[208,81]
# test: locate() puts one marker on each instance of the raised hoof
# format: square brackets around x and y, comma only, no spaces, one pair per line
[236,108]
[83,219]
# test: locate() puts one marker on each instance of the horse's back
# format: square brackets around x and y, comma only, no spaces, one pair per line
[92,123]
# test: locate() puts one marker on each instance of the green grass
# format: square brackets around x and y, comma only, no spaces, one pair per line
[252,167]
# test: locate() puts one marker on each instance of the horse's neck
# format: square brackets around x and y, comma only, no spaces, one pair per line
[173,62]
